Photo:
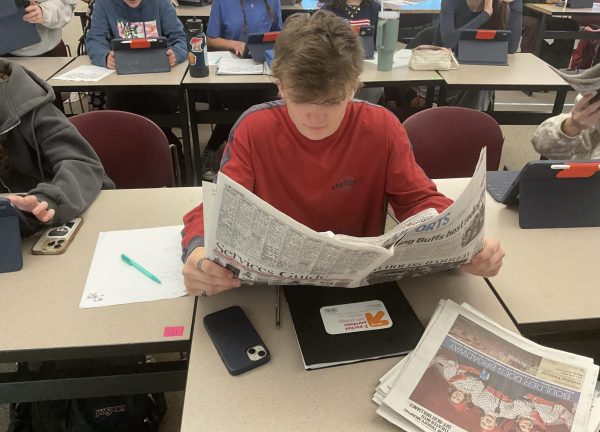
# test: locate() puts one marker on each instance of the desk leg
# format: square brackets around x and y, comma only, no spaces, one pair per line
[429,96]
[559,102]
[442,95]
[195,138]
[188,148]
[540,36]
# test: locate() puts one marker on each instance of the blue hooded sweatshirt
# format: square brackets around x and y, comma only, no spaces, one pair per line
[115,19]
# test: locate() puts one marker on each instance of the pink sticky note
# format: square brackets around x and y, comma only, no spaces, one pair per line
[173,331]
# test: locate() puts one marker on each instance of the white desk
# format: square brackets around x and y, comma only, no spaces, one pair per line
[40,316]
[524,72]
[44,67]
[281,395]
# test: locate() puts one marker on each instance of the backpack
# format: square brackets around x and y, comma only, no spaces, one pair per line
[132,413]
[585,54]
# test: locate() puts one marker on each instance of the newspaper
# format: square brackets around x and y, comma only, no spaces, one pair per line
[470,374]
[584,83]
[262,245]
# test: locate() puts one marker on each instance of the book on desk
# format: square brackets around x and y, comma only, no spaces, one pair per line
[336,326]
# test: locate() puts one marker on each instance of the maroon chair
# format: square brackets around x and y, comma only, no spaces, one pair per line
[447,141]
[134,151]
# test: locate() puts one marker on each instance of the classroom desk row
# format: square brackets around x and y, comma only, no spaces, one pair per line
[41,320]
[525,72]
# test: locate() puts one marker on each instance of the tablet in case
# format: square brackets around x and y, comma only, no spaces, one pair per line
[258,43]
[483,47]
[367,37]
[558,194]
[11,258]
[580,4]
[145,55]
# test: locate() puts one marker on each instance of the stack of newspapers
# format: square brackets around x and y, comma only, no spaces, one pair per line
[467,373]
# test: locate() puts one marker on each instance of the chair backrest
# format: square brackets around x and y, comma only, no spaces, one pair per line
[447,141]
[134,150]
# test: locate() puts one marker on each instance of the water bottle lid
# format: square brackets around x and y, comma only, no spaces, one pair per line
[194,25]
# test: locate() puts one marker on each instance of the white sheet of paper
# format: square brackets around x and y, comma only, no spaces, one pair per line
[111,281]
[401,58]
[237,66]
[85,73]
[215,56]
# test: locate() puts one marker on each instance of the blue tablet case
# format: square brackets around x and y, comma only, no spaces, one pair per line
[258,43]
[11,258]
[16,33]
[483,47]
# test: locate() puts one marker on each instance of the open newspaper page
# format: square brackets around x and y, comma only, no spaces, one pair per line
[473,375]
[443,242]
[260,244]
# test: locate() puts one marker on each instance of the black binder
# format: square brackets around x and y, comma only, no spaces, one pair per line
[321,349]
[560,194]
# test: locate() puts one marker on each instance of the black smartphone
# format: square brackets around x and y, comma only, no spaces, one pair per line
[237,342]
[22,4]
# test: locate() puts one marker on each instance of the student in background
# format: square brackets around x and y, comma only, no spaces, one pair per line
[130,19]
[459,15]
[49,17]
[230,23]
[359,13]
[575,135]
[42,156]
[291,153]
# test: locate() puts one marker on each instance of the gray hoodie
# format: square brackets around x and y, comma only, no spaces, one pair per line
[47,157]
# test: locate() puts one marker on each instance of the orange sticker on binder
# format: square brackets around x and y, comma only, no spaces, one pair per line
[579,170]
[485,34]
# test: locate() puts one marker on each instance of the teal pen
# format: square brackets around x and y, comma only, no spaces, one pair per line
[139,268]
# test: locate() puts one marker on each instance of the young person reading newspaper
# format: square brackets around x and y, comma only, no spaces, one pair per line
[325,160]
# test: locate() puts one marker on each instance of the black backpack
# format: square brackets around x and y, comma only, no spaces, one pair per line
[134,413]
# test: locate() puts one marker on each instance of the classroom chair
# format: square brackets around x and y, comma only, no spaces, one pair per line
[447,141]
[134,151]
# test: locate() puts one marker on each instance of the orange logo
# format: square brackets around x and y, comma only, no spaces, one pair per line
[376,320]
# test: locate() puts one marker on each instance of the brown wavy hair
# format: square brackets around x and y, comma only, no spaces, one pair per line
[319,58]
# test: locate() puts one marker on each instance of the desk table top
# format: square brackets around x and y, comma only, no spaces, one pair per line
[44,67]
[554,10]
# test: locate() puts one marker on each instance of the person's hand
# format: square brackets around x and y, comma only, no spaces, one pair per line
[585,114]
[488,261]
[172,59]
[238,48]
[30,204]
[110,60]
[488,7]
[208,278]
[33,13]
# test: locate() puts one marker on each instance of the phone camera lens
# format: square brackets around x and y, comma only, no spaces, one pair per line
[261,353]
[51,243]
[61,241]
[56,246]
[251,351]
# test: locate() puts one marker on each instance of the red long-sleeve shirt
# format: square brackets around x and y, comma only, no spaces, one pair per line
[338,184]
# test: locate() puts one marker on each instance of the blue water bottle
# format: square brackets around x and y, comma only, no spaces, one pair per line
[196,40]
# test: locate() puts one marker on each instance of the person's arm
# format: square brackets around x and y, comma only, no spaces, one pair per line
[515,24]
[78,173]
[173,30]
[410,191]
[96,41]
[564,135]
[57,13]
[448,31]
[278,22]
[201,276]
[214,33]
